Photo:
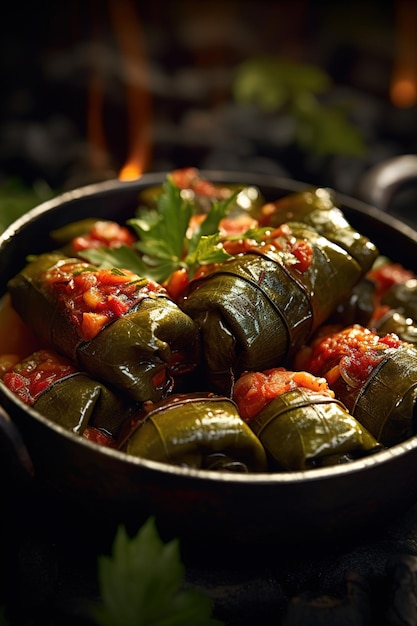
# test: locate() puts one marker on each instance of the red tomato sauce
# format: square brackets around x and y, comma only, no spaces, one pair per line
[95,297]
[295,252]
[99,437]
[104,233]
[255,390]
[388,275]
[353,353]
[189,178]
[29,378]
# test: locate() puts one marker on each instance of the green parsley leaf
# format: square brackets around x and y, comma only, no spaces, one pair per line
[258,234]
[210,224]
[163,244]
[163,240]
[122,257]
[207,251]
[162,232]
[142,584]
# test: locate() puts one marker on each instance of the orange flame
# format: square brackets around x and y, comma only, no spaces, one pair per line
[404,90]
[127,29]
[131,41]
[403,86]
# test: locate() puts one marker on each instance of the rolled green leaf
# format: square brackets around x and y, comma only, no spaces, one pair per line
[358,307]
[201,431]
[375,378]
[64,235]
[386,403]
[58,391]
[317,208]
[301,429]
[395,322]
[140,353]
[256,310]
[403,297]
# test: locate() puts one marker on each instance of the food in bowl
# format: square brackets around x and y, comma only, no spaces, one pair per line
[206,288]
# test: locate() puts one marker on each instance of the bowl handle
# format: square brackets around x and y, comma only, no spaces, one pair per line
[14,453]
[381,182]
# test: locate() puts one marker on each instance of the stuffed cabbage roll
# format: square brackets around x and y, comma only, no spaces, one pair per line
[394,321]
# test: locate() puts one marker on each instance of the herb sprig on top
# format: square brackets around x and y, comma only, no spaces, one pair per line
[166,242]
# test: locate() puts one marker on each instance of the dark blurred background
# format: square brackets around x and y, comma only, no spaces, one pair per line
[315,91]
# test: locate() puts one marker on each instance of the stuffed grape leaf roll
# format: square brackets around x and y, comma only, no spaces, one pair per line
[317,208]
[198,430]
[118,327]
[257,308]
[53,386]
[375,377]
[298,420]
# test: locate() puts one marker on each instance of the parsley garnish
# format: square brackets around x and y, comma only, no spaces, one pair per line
[142,584]
[122,257]
[163,239]
[164,244]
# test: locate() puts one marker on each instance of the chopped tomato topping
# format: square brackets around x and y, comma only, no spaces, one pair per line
[92,324]
[228,226]
[389,274]
[29,378]
[178,284]
[303,251]
[236,225]
[298,253]
[352,353]
[189,178]
[104,233]
[95,297]
[254,390]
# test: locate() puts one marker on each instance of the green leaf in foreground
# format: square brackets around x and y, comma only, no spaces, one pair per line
[208,251]
[162,233]
[142,584]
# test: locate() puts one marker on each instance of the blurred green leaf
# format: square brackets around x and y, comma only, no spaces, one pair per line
[328,131]
[271,83]
[16,199]
[280,86]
